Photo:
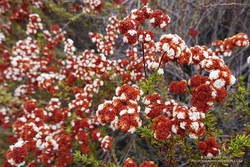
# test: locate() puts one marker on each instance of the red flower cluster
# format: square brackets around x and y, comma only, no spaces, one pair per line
[225,48]
[144,2]
[148,164]
[205,92]
[69,47]
[20,12]
[40,132]
[84,129]
[17,153]
[159,19]
[209,147]
[145,36]
[131,67]
[92,5]
[203,96]
[4,118]
[45,81]
[123,111]
[155,106]
[36,3]
[106,143]
[105,44]
[25,62]
[34,24]
[174,49]
[188,120]
[83,138]
[54,38]
[198,80]
[162,127]
[193,32]
[178,87]
[130,25]
[129,162]
[83,98]
[86,66]
[118,2]
[4,6]
[169,117]
[127,92]
[54,112]
[81,103]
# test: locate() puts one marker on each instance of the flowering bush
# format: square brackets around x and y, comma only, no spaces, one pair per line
[64,107]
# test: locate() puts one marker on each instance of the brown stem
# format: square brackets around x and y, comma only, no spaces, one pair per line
[161,61]
[113,154]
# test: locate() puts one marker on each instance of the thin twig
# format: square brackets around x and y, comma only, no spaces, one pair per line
[161,60]
[224,4]
[114,156]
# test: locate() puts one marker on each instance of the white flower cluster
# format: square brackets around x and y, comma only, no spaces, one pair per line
[69,47]
[2,37]
[34,24]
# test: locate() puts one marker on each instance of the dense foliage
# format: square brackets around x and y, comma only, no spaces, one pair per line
[115,102]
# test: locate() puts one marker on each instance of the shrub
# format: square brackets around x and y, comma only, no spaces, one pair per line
[65,107]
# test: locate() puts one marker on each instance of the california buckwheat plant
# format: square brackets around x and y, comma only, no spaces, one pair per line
[112,101]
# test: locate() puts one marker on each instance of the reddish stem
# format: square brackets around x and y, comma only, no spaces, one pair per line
[161,61]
